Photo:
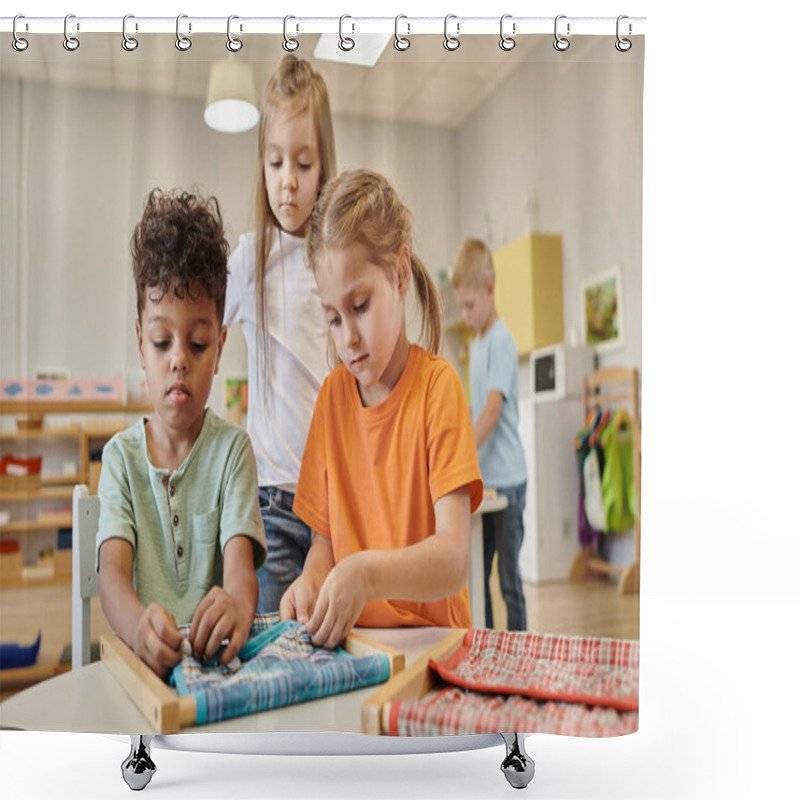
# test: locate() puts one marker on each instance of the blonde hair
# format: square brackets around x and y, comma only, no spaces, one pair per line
[294,87]
[472,266]
[362,207]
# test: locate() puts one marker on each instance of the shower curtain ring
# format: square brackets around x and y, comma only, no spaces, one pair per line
[560,43]
[18,43]
[181,41]
[345,42]
[129,43]
[623,45]
[507,42]
[451,43]
[233,44]
[401,42]
[290,44]
[70,43]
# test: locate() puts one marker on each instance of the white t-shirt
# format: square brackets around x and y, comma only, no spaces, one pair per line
[280,406]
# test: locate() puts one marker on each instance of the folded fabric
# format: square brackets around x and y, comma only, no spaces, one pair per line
[455,711]
[279,666]
[577,669]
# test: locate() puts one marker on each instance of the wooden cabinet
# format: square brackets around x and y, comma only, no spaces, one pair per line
[529,290]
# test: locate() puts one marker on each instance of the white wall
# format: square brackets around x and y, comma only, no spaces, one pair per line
[558,149]
[567,140]
[82,161]
[9,224]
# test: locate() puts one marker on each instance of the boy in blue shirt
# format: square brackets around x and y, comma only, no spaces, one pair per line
[180,531]
[493,381]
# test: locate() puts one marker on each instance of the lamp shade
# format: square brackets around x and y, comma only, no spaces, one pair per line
[231,100]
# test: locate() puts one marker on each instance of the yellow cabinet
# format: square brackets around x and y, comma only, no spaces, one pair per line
[529,290]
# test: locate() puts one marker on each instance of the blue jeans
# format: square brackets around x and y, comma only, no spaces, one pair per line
[503,532]
[288,542]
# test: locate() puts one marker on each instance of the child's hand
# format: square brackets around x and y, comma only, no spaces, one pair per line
[157,640]
[298,600]
[219,616]
[341,598]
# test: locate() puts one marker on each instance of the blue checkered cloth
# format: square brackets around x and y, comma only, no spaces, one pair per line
[280,666]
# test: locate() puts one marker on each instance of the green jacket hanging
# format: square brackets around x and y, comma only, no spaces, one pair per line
[619,493]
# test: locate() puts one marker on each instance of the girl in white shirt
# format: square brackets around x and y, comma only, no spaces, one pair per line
[273,296]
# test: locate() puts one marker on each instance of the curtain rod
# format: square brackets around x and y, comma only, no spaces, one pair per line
[297,25]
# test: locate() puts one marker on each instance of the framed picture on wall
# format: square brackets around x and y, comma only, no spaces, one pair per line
[601,300]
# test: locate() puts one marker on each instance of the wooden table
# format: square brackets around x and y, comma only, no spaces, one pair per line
[90,700]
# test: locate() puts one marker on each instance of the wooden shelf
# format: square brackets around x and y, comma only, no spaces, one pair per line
[65,432]
[39,594]
[47,493]
[32,674]
[40,407]
[21,526]
[36,579]
[54,479]
[102,430]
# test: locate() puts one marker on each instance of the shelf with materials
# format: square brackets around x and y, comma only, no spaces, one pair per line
[71,431]
[65,434]
[52,522]
[53,492]
[35,577]
[33,432]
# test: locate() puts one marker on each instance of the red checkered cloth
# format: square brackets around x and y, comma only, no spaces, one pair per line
[455,711]
[575,669]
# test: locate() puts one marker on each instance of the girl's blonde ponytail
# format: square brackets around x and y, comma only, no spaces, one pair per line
[362,207]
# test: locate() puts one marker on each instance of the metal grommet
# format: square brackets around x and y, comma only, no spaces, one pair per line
[129,43]
[623,45]
[507,42]
[181,42]
[18,43]
[451,43]
[290,44]
[233,44]
[70,43]
[560,43]
[345,42]
[401,42]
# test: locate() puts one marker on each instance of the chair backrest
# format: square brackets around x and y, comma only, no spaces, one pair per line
[85,518]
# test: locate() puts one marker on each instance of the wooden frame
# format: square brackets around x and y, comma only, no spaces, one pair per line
[412,683]
[167,711]
[613,387]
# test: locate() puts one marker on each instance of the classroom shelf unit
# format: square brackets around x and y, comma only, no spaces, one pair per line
[37,510]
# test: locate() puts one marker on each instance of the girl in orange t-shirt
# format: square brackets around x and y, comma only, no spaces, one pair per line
[390,472]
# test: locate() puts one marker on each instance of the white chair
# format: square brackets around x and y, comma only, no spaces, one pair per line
[85,518]
[138,768]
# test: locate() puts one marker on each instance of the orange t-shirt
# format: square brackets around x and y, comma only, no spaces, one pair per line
[370,476]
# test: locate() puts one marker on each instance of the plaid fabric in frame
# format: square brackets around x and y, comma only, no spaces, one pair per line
[454,711]
[578,669]
[280,666]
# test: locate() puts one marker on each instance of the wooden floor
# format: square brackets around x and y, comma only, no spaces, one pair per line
[592,608]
